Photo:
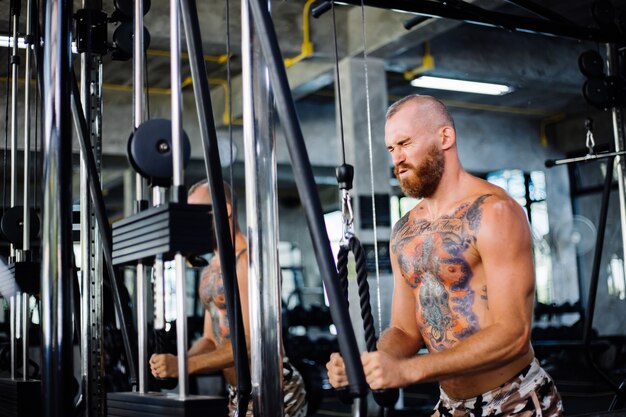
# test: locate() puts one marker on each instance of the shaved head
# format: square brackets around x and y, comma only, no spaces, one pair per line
[426,108]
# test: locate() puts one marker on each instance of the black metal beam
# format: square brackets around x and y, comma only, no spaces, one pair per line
[95,190]
[479,16]
[540,10]
[308,195]
[214,176]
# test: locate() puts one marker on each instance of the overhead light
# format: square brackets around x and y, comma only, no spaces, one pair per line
[461,85]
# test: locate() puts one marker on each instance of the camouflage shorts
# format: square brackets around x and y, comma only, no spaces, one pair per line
[531,393]
[294,394]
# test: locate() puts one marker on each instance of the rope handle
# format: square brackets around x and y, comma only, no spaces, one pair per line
[384,398]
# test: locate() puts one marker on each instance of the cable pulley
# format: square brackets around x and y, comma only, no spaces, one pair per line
[150,151]
[12,225]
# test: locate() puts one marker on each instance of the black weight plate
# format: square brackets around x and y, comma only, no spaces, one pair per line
[150,149]
[596,92]
[127,7]
[590,64]
[13,225]
[123,39]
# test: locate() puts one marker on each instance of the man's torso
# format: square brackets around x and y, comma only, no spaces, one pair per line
[441,265]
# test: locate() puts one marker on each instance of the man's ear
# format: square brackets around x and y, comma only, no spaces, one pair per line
[448,137]
[229,210]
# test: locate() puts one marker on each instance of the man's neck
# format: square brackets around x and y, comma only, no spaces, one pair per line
[452,188]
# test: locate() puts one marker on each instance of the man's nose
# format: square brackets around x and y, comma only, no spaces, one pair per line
[397,157]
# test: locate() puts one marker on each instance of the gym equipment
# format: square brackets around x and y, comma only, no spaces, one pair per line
[310,200]
[20,226]
[619,400]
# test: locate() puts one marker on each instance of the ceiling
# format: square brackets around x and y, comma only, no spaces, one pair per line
[542,70]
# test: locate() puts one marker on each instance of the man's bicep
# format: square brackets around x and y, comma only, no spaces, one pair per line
[504,244]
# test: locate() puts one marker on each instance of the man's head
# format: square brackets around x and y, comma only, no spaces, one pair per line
[199,193]
[421,139]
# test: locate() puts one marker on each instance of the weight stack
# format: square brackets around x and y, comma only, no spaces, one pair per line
[134,404]
[19,398]
[163,230]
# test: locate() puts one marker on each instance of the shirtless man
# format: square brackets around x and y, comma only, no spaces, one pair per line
[213,351]
[463,281]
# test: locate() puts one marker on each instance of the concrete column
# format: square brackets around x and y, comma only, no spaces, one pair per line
[355,127]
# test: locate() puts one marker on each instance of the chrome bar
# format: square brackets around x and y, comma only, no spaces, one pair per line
[18,315]
[14,75]
[617,116]
[25,322]
[56,270]
[177,103]
[262,220]
[27,121]
[12,334]
[181,325]
[138,96]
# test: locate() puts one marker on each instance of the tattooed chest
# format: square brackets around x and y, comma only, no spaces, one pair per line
[436,260]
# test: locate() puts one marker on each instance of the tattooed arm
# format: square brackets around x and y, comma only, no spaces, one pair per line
[207,342]
[502,345]
[202,359]
[222,357]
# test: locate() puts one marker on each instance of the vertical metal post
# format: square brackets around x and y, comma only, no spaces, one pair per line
[617,115]
[56,270]
[262,220]
[178,196]
[138,112]
[25,323]
[27,121]
[15,64]
[91,254]
[12,335]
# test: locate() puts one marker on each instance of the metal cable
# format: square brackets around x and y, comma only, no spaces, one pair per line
[338,84]
[371,161]
[6,120]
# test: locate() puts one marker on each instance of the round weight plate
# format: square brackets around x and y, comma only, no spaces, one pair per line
[596,92]
[127,7]
[13,225]
[590,64]
[150,149]
[123,40]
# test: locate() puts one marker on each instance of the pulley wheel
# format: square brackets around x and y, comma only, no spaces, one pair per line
[13,225]
[596,92]
[590,64]
[150,150]
[123,41]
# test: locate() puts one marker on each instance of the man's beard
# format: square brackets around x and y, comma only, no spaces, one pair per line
[422,181]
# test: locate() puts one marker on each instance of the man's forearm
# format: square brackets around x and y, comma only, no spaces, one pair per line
[215,360]
[397,343]
[200,346]
[487,349]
